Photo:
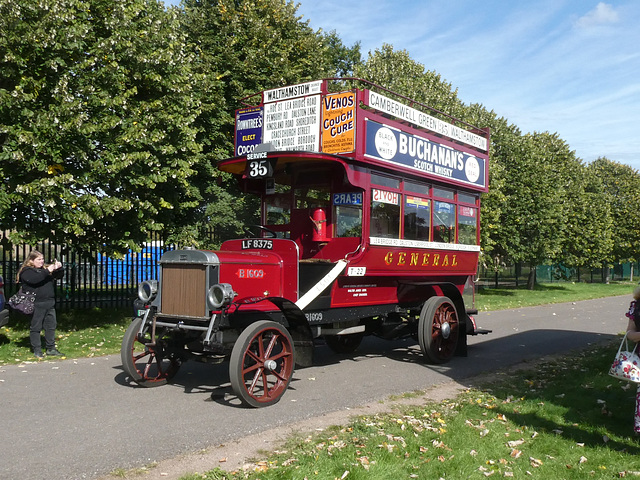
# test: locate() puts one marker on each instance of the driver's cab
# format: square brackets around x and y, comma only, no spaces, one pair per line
[313,204]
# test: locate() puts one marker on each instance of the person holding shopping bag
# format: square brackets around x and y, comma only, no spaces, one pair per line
[35,277]
[633,334]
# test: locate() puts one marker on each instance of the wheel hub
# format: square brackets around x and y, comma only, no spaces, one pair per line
[270,365]
[445,330]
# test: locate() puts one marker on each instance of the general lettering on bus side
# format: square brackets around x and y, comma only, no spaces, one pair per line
[421,259]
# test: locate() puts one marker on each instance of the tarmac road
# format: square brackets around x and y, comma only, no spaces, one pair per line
[81,419]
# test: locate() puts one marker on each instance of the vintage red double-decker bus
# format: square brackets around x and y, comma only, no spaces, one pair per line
[370,215]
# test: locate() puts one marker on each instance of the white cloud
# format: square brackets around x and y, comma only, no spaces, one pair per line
[601,15]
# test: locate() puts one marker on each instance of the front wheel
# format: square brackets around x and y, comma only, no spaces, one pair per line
[438,329]
[261,364]
[147,364]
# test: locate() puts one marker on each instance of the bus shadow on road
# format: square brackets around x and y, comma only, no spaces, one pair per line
[484,355]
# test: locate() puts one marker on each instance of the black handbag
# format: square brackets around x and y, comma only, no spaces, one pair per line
[23,302]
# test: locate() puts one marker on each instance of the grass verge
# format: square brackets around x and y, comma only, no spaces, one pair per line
[563,419]
[80,333]
[504,298]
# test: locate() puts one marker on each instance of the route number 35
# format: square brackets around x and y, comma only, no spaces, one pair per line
[258,168]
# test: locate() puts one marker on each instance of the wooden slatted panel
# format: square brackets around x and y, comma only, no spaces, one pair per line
[184,290]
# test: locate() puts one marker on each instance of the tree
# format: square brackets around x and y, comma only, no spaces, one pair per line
[621,184]
[97,111]
[587,218]
[397,71]
[241,48]
[533,215]
[505,140]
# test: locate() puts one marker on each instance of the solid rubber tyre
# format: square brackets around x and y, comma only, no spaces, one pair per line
[438,329]
[262,363]
[146,364]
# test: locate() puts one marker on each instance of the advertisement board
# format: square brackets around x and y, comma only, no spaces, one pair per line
[338,123]
[418,153]
[248,129]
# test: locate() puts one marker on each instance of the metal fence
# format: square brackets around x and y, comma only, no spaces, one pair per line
[517,274]
[94,280]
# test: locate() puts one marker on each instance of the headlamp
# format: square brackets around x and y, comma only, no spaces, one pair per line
[147,290]
[220,295]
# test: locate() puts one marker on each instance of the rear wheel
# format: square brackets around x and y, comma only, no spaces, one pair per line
[147,364]
[261,364]
[438,329]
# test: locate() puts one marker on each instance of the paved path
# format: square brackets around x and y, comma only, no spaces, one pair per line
[80,419]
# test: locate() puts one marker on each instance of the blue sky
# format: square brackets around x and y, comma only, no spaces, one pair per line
[565,66]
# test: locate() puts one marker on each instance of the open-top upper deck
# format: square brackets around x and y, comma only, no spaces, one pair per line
[385,131]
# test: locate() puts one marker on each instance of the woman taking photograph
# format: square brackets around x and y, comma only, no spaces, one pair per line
[35,277]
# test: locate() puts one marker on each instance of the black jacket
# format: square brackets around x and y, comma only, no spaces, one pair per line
[40,281]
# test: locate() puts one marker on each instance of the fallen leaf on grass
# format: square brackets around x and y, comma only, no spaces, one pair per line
[535,462]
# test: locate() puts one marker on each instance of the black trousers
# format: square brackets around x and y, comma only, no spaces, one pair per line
[44,317]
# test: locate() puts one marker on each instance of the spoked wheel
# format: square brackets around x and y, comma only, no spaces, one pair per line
[438,329]
[147,365]
[343,343]
[261,364]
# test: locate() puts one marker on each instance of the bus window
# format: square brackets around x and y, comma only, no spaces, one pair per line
[384,181]
[348,221]
[417,218]
[415,187]
[443,193]
[348,214]
[385,214]
[467,225]
[466,198]
[278,211]
[312,197]
[444,222]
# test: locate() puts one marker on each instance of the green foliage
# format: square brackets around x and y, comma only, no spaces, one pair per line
[621,184]
[504,140]
[588,219]
[113,115]
[97,119]
[397,71]
[242,48]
